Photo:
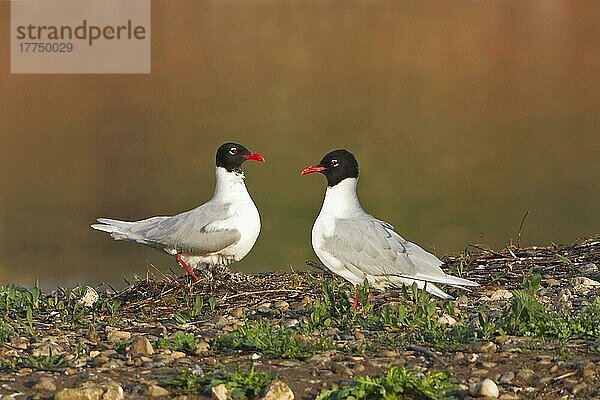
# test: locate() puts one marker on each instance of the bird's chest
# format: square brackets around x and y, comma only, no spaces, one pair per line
[323,228]
[247,222]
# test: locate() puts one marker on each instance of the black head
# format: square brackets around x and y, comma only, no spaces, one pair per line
[231,156]
[336,166]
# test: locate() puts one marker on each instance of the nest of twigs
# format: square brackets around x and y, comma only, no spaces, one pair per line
[161,293]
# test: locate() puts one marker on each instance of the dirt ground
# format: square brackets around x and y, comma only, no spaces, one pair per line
[65,346]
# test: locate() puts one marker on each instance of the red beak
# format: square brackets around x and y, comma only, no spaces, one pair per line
[255,157]
[311,169]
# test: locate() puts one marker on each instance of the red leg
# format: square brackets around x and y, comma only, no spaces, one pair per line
[355,299]
[187,268]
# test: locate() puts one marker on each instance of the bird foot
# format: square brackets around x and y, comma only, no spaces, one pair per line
[189,270]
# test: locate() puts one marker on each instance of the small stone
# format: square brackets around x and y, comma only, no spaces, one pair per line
[92,391]
[447,320]
[502,339]
[508,396]
[219,392]
[89,298]
[544,360]
[480,373]
[202,348]
[552,282]
[358,335]
[278,390]
[292,323]
[359,368]
[485,388]
[264,307]
[507,377]
[156,391]
[177,355]
[525,374]
[340,368]
[586,370]
[114,391]
[579,387]
[94,353]
[101,359]
[501,294]
[221,322]
[282,305]
[483,347]
[238,312]
[386,354]
[117,336]
[564,295]
[141,347]
[46,347]
[44,384]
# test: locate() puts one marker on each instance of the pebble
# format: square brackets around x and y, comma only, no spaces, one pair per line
[508,396]
[480,373]
[44,384]
[525,374]
[238,312]
[387,354]
[340,368]
[264,307]
[202,347]
[507,377]
[282,305]
[552,282]
[579,387]
[447,320]
[177,355]
[156,391]
[586,370]
[278,390]
[485,388]
[502,339]
[141,347]
[91,390]
[544,360]
[221,321]
[358,335]
[219,392]
[483,347]
[501,294]
[292,323]
[47,347]
[117,336]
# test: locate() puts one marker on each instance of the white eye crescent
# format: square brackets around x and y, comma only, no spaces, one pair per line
[334,163]
[233,151]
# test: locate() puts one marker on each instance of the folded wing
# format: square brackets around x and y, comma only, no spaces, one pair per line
[203,230]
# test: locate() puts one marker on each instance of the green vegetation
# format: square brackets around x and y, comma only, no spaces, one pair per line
[6,330]
[397,383]
[526,316]
[179,341]
[50,362]
[246,384]
[271,340]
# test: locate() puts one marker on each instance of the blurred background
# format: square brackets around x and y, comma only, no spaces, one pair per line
[463,115]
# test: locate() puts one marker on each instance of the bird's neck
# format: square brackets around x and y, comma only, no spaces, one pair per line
[230,186]
[341,200]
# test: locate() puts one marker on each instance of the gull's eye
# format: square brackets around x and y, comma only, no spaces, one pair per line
[334,163]
[233,151]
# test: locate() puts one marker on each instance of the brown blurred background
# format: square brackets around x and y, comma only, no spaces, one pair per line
[463,116]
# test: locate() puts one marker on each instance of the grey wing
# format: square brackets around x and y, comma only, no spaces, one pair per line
[373,247]
[203,230]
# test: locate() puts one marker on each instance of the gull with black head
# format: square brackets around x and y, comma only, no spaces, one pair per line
[221,231]
[357,246]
